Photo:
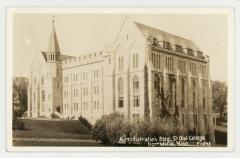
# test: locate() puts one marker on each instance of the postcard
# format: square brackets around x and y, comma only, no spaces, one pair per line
[120,79]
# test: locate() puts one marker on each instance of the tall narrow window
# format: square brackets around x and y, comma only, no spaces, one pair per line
[156,83]
[204,94]
[193,93]
[135,91]
[170,63]
[120,93]
[120,63]
[183,92]
[135,60]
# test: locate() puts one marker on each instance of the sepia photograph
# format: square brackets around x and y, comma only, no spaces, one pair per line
[135,78]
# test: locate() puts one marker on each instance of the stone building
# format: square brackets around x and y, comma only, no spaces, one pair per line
[143,70]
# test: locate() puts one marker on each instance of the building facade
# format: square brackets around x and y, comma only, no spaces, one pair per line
[144,70]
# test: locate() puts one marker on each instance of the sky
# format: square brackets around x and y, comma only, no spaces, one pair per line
[82,33]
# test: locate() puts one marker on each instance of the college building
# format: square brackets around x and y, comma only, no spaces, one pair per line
[144,70]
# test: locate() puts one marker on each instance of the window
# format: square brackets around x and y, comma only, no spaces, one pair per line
[43,95]
[169,63]
[95,74]
[120,85]
[183,92]
[96,90]
[156,60]
[157,82]
[120,63]
[203,70]
[182,66]
[193,93]
[135,60]
[135,91]
[135,83]
[204,94]
[120,93]
[189,51]
[166,45]
[136,101]
[193,68]
[155,41]
[199,54]
[178,48]
[120,102]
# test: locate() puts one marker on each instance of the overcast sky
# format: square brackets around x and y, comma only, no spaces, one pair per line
[82,33]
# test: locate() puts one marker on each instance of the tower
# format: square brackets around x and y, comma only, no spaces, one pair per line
[54,64]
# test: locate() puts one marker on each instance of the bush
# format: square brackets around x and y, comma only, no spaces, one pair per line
[85,122]
[18,125]
[110,128]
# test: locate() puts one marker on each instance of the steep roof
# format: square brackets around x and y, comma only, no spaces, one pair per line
[150,31]
[53,45]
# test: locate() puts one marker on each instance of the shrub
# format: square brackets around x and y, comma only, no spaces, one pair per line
[110,128]
[19,125]
[85,122]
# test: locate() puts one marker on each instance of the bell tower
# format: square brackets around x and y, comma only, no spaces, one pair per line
[54,63]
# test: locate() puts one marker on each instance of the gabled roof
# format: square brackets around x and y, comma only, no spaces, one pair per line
[150,31]
[53,45]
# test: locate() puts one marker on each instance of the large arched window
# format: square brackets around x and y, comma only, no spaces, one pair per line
[120,93]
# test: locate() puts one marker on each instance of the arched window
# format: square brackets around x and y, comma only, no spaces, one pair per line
[120,93]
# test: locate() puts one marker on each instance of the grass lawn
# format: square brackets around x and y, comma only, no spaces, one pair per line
[37,130]
[52,144]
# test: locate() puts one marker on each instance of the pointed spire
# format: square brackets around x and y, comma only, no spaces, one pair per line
[53,46]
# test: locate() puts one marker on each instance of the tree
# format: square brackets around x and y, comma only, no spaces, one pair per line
[19,98]
[219,95]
